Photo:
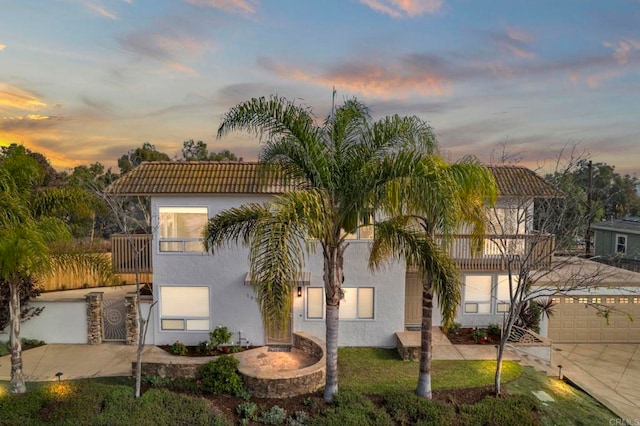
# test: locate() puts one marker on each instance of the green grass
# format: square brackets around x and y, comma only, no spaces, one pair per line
[571,406]
[375,370]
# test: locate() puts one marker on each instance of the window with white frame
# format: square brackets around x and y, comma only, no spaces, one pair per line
[184,308]
[503,294]
[180,229]
[509,222]
[365,228]
[477,294]
[315,303]
[357,303]
[621,244]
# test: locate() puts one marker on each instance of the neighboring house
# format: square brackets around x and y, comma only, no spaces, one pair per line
[196,291]
[617,238]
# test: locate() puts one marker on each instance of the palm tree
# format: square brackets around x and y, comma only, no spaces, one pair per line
[30,239]
[456,197]
[339,171]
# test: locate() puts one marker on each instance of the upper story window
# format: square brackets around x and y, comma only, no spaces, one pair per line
[365,228]
[180,229]
[621,244]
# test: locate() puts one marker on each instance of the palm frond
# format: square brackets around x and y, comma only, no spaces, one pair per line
[234,226]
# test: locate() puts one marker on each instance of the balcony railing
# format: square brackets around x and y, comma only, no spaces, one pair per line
[533,251]
[129,250]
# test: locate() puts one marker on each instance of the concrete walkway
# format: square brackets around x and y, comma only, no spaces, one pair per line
[608,372]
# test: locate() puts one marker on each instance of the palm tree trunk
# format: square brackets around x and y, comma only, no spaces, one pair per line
[426,341]
[17,377]
[333,275]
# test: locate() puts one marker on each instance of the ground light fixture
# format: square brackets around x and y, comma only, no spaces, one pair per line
[59,375]
[560,375]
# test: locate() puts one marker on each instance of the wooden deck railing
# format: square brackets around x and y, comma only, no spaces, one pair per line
[531,251]
[126,250]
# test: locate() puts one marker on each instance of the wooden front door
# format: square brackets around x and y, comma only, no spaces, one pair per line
[276,334]
[412,300]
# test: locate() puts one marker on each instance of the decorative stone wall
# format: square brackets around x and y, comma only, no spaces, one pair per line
[131,319]
[292,383]
[94,318]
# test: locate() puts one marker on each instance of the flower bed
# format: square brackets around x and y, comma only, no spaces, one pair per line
[474,336]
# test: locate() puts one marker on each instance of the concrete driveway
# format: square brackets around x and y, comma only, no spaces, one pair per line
[608,372]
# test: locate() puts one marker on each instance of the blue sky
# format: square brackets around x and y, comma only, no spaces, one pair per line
[87,80]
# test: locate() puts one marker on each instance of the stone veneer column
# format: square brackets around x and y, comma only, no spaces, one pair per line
[131,321]
[94,318]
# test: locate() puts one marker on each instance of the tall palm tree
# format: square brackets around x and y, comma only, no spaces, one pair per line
[30,237]
[340,170]
[420,235]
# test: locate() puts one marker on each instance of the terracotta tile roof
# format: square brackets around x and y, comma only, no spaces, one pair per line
[522,182]
[213,177]
[199,177]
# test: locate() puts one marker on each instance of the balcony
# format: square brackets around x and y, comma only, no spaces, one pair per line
[533,251]
[131,252]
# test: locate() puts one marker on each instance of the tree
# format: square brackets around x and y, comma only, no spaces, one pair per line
[32,233]
[338,171]
[197,151]
[136,156]
[455,196]
[530,240]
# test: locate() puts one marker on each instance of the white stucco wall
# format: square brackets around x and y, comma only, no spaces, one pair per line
[61,321]
[233,304]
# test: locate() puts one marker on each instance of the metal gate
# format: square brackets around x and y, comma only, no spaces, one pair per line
[114,315]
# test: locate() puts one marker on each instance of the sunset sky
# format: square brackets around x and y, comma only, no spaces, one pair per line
[87,80]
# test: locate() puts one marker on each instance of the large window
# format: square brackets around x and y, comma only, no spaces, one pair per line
[503,294]
[181,229]
[357,303]
[477,294]
[184,308]
[315,303]
[621,244]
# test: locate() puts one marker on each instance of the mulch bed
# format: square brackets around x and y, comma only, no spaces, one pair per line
[465,336]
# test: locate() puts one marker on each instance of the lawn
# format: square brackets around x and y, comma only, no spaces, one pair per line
[375,370]
[376,387]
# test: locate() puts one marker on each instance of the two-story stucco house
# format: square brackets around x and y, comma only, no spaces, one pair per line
[195,291]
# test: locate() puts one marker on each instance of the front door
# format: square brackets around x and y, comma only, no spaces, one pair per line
[412,300]
[276,334]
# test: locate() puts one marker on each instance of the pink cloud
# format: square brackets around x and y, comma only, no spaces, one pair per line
[231,6]
[623,49]
[370,79]
[402,8]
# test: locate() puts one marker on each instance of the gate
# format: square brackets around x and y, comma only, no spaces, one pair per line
[115,315]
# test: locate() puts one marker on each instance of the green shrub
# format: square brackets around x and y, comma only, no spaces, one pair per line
[219,336]
[221,376]
[516,409]
[352,408]
[247,410]
[479,334]
[299,418]
[454,328]
[178,348]
[493,329]
[273,416]
[407,408]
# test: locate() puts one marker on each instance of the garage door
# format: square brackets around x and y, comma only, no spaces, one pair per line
[574,321]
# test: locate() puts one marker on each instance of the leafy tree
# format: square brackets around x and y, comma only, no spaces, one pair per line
[136,156]
[453,196]
[342,168]
[197,151]
[32,228]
